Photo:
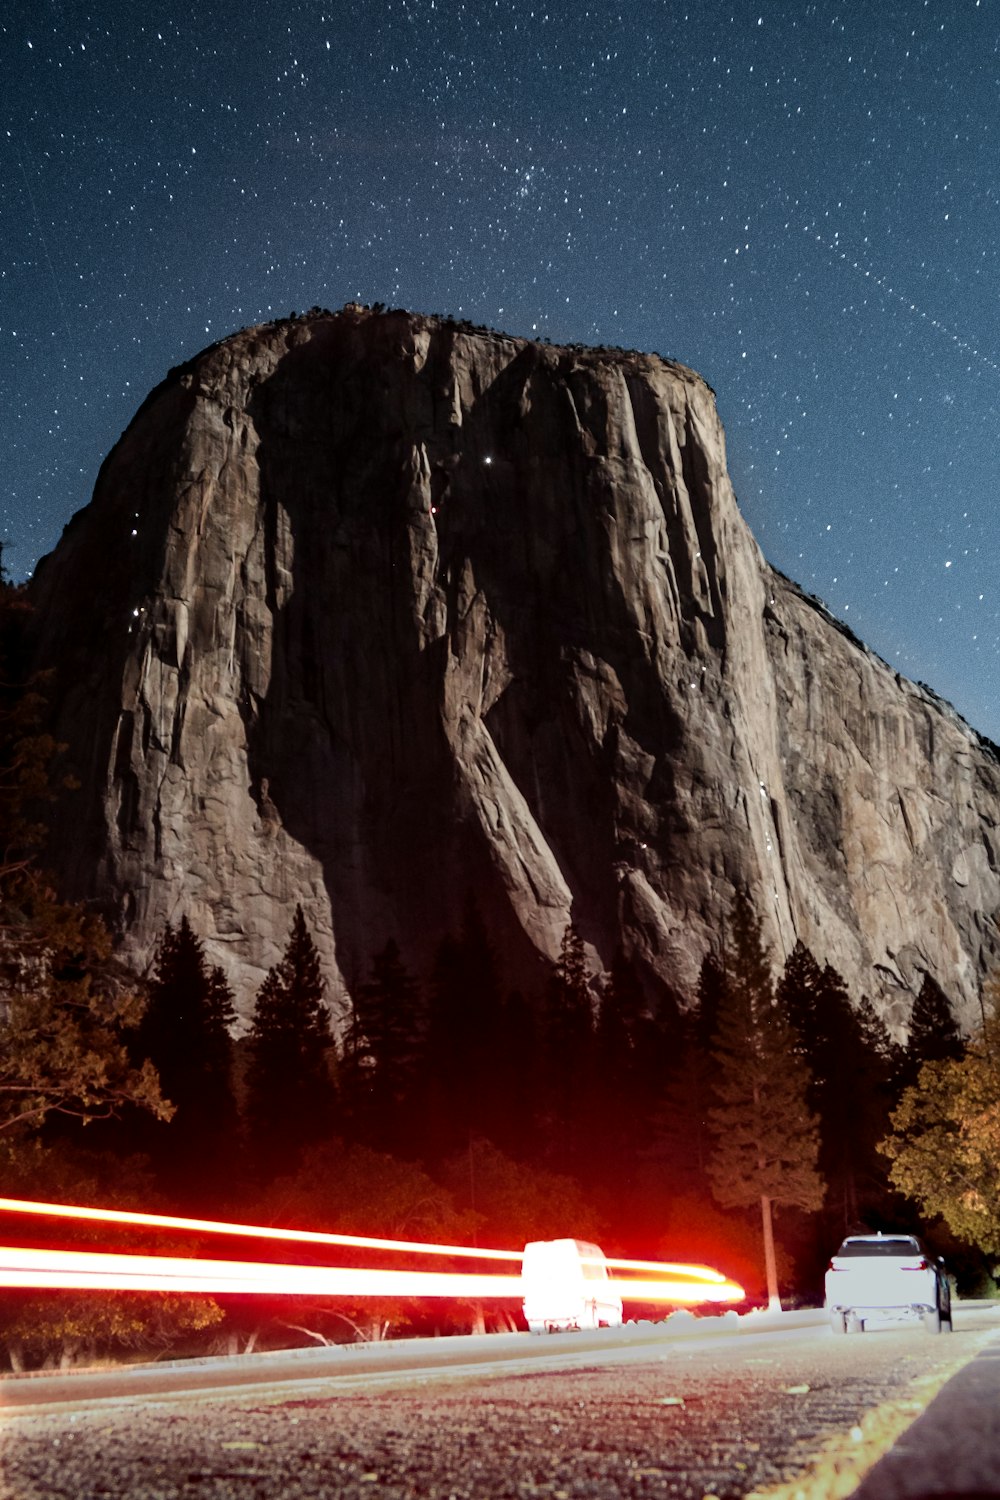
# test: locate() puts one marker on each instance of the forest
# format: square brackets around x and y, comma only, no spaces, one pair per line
[748,1126]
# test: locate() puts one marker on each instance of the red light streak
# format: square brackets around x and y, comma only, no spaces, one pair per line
[244,1231]
[664,1281]
[98,1271]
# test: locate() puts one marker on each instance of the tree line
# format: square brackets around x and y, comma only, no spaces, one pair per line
[452,1108]
[750,1125]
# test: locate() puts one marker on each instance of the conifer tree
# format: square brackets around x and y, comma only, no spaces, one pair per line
[382,1054]
[846,1053]
[683,1135]
[568,1050]
[683,1140]
[291,1099]
[185,1034]
[569,1012]
[633,1052]
[711,993]
[766,1139]
[934,1035]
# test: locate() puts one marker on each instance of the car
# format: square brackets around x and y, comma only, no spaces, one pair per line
[566,1285]
[886,1278]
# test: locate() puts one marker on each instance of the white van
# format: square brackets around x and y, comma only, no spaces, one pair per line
[566,1285]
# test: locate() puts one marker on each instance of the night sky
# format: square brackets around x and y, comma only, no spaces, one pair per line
[801,201]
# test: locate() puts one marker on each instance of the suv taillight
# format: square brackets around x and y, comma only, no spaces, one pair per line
[919,1265]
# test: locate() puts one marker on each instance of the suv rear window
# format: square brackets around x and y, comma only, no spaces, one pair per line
[884,1246]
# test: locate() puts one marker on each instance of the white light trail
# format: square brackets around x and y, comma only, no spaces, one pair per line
[663,1281]
[164,1273]
[99,1271]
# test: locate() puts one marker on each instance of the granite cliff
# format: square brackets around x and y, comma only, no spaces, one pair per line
[370,610]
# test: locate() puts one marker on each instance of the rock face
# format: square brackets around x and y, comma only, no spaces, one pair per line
[371,611]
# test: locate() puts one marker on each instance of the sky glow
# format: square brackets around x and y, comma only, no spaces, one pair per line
[799,200]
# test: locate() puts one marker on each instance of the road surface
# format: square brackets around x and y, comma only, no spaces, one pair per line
[642,1413]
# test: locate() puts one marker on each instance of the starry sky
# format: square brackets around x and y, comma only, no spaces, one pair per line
[802,201]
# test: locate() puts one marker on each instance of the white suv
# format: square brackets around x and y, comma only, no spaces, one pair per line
[888,1278]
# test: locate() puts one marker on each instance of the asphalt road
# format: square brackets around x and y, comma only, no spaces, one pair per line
[644,1413]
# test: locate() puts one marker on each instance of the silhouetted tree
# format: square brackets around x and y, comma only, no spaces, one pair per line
[382,1054]
[682,1140]
[568,1054]
[710,997]
[846,1053]
[185,1034]
[291,1098]
[934,1035]
[766,1140]
[512,1203]
[353,1189]
[630,1062]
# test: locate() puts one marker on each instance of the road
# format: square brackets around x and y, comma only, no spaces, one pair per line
[647,1412]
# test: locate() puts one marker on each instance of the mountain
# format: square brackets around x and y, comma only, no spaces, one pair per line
[375,612]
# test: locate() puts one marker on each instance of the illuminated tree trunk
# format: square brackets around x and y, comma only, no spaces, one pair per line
[770,1262]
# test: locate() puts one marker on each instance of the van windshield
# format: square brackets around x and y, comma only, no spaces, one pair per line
[594,1272]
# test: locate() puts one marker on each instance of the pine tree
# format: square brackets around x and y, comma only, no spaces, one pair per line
[382,1054]
[846,1053]
[710,998]
[568,1053]
[291,1098]
[766,1139]
[682,1127]
[934,1035]
[620,1014]
[185,1034]
[632,1052]
[569,1012]
[683,1139]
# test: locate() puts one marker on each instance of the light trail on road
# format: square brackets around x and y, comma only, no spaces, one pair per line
[166,1273]
[663,1281]
[245,1231]
[101,1271]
